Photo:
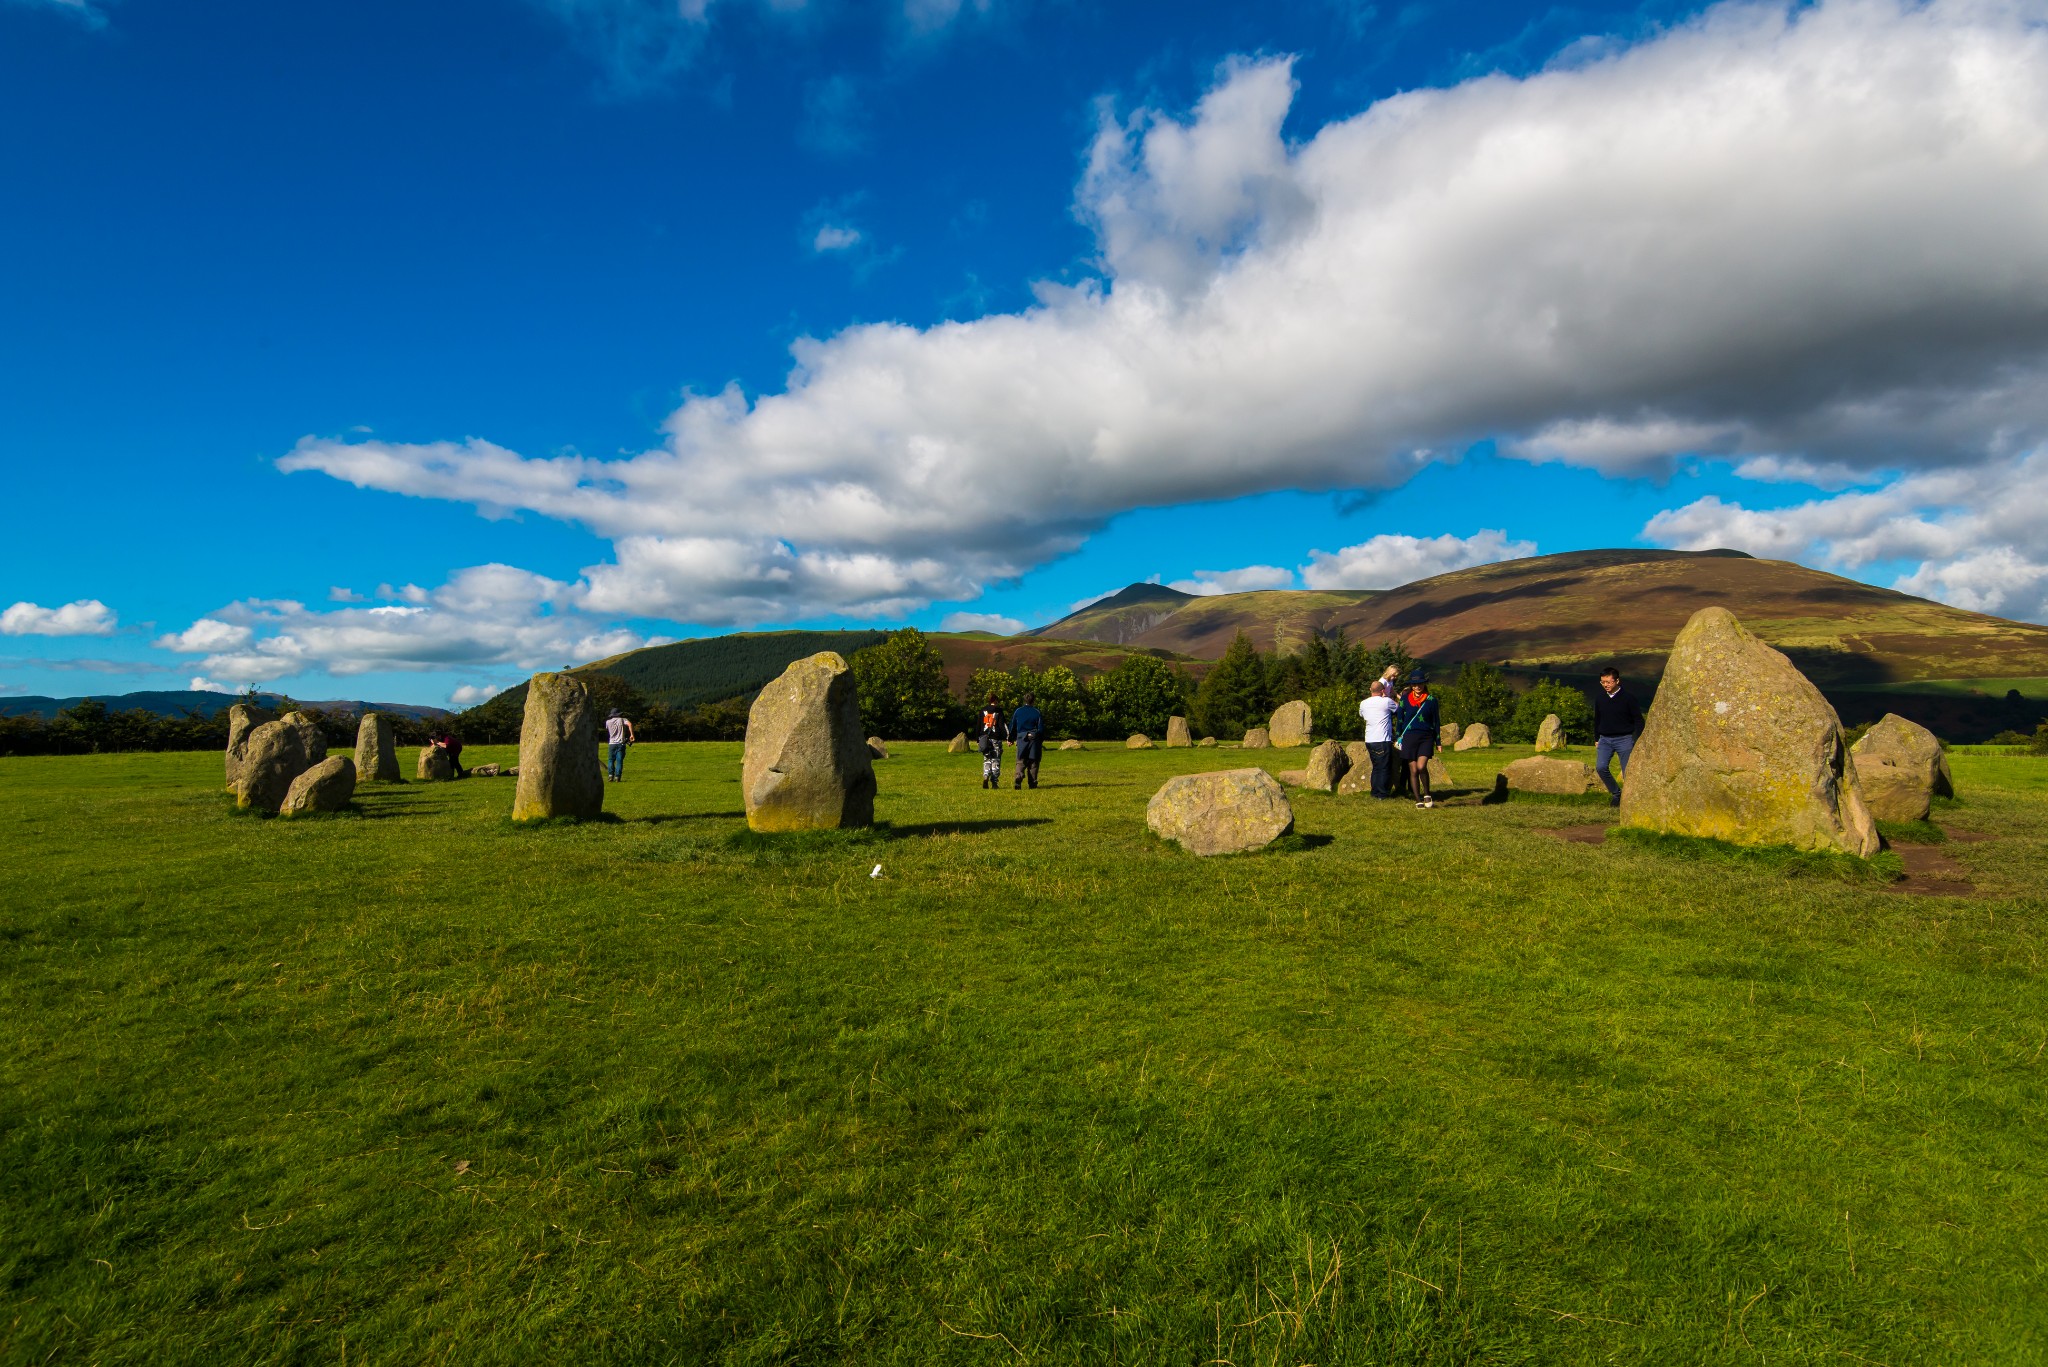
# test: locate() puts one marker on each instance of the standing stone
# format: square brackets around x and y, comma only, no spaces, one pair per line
[1177,737]
[1228,812]
[806,766]
[1139,742]
[1071,744]
[876,748]
[1356,756]
[434,765]
[1449,734]
[1899,767]
[274,755]
[326,787]
[1258,739]
[1290,725]
[1477,737]
[559,771]
[243,718]
[1550,735]
[957,745]
[1740,746]
[1551,777]
[1439,773]
[376,750]
[1327,764]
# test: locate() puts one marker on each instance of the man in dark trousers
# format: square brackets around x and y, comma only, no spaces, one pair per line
[1617,721]
[1027,733]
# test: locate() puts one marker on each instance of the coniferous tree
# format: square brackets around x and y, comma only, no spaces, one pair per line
[1234,697]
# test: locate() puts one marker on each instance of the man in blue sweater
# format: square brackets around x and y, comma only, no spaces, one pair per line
[1027,732]
[1617,721]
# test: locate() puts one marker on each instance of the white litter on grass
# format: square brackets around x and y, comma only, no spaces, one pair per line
[877,872]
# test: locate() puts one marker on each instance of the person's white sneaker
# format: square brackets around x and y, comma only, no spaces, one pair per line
[1418,806]
[1429,801]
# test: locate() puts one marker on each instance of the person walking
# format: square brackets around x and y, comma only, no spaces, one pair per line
[1417,723]
[1617,721]
[1027,732]
[1377,711]
[618,734]
[991,744]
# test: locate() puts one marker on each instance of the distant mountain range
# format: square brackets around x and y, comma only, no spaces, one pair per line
[179,701]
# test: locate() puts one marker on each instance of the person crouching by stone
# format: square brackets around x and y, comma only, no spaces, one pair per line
[1617,721]
[1027,731]
[1417,723]
[991,744]
[618,734]
[451,744]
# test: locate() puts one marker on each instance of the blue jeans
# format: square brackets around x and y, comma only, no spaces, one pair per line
[1606,749]
[1379,750]
[618,760]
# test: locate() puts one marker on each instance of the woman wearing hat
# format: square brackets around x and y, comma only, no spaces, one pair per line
[1417,722]
[618,734]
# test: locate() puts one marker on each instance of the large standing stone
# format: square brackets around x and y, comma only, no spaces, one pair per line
[1449,734]
[1221,813]
[434,765]
[1740,746]
[1899,767]
[806,766]
[957,745]
[1551,777]
[243,718]
[1327,764]
[326,787]
[1550,735]
[559,771]
[1141,741]
[1258,738]
[1177,737]
[274,755]
[376,750]
[1290,725]
[1477,736]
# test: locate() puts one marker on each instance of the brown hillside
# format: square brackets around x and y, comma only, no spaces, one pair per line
[1569,611]
[964,654]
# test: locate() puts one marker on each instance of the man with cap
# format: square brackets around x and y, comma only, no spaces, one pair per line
[618,734]
[1417,722]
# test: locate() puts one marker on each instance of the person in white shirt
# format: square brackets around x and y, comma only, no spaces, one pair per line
[618,734]
[1378,712]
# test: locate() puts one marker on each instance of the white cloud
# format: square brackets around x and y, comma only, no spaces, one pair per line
[1812,233]
[201,684]
[469,695]
[205,636]
[338,594]
[1251,578]
[1976,533]
[981,621]
[1390,560]
[835,237]
[86,617]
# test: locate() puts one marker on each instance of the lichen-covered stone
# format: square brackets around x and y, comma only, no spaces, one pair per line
[1206,743]
[560,773]
[957,745]
[275,754]
[807,766]
[1229,812]
[1449,734]
[434,765]
[1550,735]
[1290,725]
[1899,767]
[1477,736]
[877,748]
[1740,746]
[326,787]
[1071,744]
[243,718]
[376,750]
[1177,737]
[1139,742]
[1551,777]
[1327,764]
[1439,773]
[1258,738]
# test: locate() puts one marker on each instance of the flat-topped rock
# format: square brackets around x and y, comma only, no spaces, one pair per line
[328,786]
[807,765]
[1229,812]
[1290,725]
[1549,776]
[1071,744]
[559,771]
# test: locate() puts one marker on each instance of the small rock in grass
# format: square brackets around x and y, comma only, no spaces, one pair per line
[1139,742]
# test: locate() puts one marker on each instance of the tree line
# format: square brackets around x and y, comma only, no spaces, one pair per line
[90,727]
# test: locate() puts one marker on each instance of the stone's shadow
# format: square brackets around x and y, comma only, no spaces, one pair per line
[1299,840]
[921,828]
[1498,794]
[679,816]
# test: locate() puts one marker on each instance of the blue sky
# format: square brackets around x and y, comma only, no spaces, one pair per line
[377,350]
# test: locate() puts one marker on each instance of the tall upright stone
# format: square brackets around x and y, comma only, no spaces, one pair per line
[1290,725]
[559,771]
[807,765]
[1550,735]
[1740,746]
[243,718]
[1327,764]
[1899,767]
[274,755]
[1177,737]
[376,750]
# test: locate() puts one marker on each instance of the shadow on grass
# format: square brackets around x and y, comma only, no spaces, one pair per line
[1782,860]
[1000,823]
[796,843]
[549,823]
[666,818]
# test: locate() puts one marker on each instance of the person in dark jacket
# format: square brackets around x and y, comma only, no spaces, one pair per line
[451,745]
[1027,733]
[1617,721]
[1417,723]
[993,732]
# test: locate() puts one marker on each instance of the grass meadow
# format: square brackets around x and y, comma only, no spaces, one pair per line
[412,1085]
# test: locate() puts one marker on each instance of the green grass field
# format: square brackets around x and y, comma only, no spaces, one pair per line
[417,1086]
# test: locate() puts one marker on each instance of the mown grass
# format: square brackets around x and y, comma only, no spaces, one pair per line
[422,1086]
